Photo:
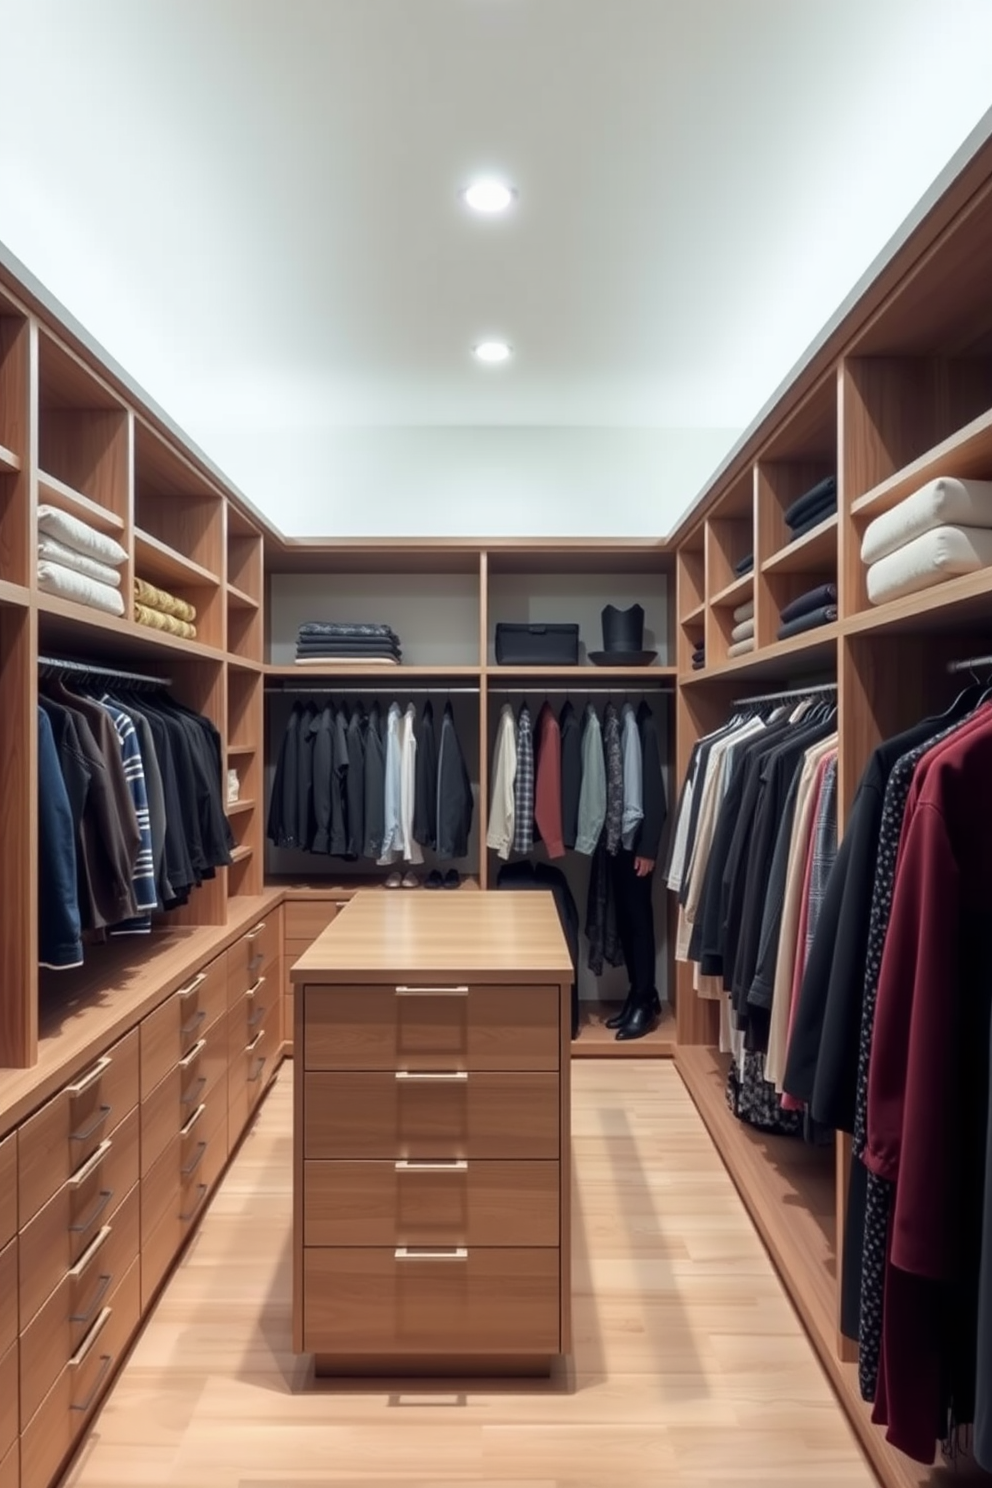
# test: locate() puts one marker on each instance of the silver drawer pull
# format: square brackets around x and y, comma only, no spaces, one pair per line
[256,988]
[193,1054]
[184,992]
[91,1164]
[443,1075]
[86,1132]
[253,934]
[106,1194]
[250,1048]
[452,1253]
[262,1059]
[194,1022]
[195,1091]
[456,1165]
[90,1077]
[105,1362]
[79,1357]
[184,1131]
[191,1167]
[201,1194]
[91,1251]
[431,991]
[98,1296]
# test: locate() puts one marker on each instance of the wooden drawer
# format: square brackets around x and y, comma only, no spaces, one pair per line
[383,1115]
[159,1044]
[8,1188]
[58,1236]
[204,1160]
[10,1467]
[306,918]
[160,1189]
[50,1435]
[8,1297]
[475,1301]
[460,1203]
[160,1118]
[204,1068]
[254,953]
[249,1013]
[8,1401]
[201,1002]
[457,1027]
[63,1323]
[159,1248]
[58,1139]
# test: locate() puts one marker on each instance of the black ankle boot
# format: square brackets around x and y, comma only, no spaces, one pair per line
[642,1019]
[620,1018]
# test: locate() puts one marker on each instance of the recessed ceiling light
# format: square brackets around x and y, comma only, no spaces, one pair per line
[489,196]
[492,351]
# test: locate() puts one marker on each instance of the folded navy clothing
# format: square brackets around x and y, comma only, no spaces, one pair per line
[813,618]
[744,565]
[699,654]
[814,519]
[824,490]
[813,599]
[698,666]
[355,643]
[347,628]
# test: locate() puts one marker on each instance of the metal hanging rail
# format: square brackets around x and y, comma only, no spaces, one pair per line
[579,691]
[792,692]
[969,663]
[90,669]
[301,687]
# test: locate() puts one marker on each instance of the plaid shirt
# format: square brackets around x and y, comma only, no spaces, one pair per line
[523,786]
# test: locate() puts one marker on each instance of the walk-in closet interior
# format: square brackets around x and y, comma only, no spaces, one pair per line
[274,808]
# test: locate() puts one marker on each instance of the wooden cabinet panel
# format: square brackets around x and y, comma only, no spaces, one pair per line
[201,1002]
[8,1188]
[204,1156]
[477,1115]
[159,1044]
[63,1323]
[256,953]
[57,1237]
[306,918]
[158,1250]
[160,1189]
[390,1204]
[160,1118]
[479,1301]
[10,1467]
[57,1140]
[257,1006]
[8,1402]
[50,1435]
[414,1027]
[8,1298]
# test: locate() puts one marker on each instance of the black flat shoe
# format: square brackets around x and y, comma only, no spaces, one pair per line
[620,1018]
[452,879]
[641,1021]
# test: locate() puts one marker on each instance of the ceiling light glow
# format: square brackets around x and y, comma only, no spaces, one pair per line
[489,196]
[492,351]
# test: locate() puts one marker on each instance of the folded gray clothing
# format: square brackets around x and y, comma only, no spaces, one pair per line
[348,654]
[346,628]
[823,594]
[810,621]
[744,612]
[353,643]
[812,500]
[743,632]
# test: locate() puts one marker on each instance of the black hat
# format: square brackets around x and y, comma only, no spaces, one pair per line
[623,638]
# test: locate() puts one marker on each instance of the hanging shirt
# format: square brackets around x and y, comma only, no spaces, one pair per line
[523,785]
[425,810]
[571,773]
[409,846]
[143,872]
[59,942]
[592,796]
[613,751]
[633,805]
[455,803]
[374,786]
[501,811]
[547,787]
[392,832]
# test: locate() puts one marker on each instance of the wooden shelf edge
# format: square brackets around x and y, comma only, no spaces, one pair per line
[805,548]
[581,673]
[166,563]
[966,590]
[240,599]
[242,664]
[247,803]
[14,594]
[596,1041]
[10,463]
[694,614]
[768,658]
[701,1070]
[241,854]
[65,497]
[242,748]
[951,457]
[328,671]
[733,592]
[129,636]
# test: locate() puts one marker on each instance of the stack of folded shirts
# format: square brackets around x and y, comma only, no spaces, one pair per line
[699,657]
[812,508]
[742,635]
[742,647]
[352,643]
[163,611]
[76,561]
[744,565]
[943,529]
[816,607]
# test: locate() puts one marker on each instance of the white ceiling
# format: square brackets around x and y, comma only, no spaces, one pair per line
[252,203]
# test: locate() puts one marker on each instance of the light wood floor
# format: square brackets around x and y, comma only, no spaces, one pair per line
[689,1367]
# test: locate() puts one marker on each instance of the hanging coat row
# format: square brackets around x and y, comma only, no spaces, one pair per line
[354,784]
[131,814]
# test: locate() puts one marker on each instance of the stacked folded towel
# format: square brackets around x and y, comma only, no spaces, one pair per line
[741,648]
[744,565]
[163,611]
[941,530]
[744,612]
[76,561]
[351,642]
[812,508]
[816,607]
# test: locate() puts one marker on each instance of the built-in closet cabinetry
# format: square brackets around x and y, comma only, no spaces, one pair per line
[899,392]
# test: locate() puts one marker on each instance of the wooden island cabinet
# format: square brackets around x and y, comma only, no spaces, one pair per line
[431,1137]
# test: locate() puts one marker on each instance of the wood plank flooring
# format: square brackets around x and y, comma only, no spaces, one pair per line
[690,1366]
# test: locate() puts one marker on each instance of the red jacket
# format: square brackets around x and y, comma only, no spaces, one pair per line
[547,782]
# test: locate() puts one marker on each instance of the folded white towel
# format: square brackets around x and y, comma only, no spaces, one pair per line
[944,502]
[743,632]
[80,535]
[929,559]
[744,612]
[52,551]
[53,578]
[741,648]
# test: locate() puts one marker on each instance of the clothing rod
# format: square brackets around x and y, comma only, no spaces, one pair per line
[969,663]
[577,691]
[792,692]
[299,687]
[89,669]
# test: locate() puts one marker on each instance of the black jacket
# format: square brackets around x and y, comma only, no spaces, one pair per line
[571,773]
[425,798]
[355,792]
[283,809]
[454,793]
[323,750]
[647,840]
[374,785]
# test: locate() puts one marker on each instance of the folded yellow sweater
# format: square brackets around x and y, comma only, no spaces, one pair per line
[158,620]
[160,599]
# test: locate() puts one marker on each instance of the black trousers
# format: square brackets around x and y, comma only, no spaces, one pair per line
[635,922]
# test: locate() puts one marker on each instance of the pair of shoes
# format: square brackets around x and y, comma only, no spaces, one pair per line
[450,880]
[620,1018]
[406,880]
[642,1018]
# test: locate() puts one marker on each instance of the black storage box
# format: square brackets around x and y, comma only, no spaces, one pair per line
[537,645]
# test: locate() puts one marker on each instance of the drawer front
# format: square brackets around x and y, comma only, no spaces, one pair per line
[8,1188]
[409,1027]
[381,1115]
[59,1138]
[160,1118]
[159,1044]
[57,1424]
[255,953]
[73,1308]
[10,1468]
[202,1167]
[479,1301]
[458,1203]
[159,1248]
[8,1297]
[201,1002]
[60,1235]
[204,1068]
[8,1401]
[160,1189]
[249,1013]
[305,919]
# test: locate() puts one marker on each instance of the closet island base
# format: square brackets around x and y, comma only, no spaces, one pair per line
[431,1135]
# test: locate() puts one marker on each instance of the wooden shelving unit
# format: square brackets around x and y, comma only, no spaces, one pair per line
[56,493]
[155,560]
[596,1041]
[10,463]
